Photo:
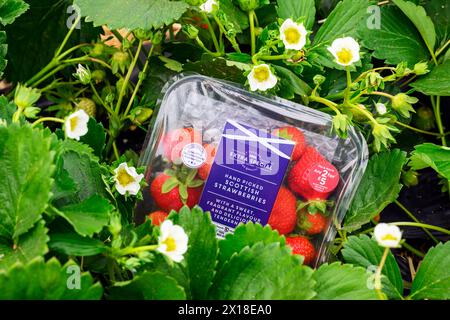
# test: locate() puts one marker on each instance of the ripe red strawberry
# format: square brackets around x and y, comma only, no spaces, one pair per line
[283,217]
[302,246]
[174,142]
[172,190]
[293,134]
[157,217]
[203,171]
[313,177]
[312,223]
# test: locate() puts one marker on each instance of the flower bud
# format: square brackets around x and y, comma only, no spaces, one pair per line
[402,104]
[319,79]
[120,61]
[98,75]
[410,179]
[421,68]
[190,31]
[83,75]
[26,97]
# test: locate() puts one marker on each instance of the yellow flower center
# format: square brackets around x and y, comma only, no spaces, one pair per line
[345,56]
[388,237]
[261,74]
[292,35]
[170,244]
[73,123]
[124,178]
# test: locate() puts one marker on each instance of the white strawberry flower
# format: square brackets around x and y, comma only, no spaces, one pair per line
[345,51]
[76,125]
[293,34]
[173,241]
[381,108]
[261,78]
[387,235]
[209,6]
[127,179]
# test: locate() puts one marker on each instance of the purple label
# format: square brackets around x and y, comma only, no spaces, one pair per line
[245,177]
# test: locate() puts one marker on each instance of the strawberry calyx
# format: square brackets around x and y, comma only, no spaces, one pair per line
[314,206]
[183,178]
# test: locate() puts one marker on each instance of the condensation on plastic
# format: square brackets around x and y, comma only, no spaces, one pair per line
[206,104]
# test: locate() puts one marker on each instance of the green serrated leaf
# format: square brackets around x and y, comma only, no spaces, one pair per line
[264,271]
[234,15]
[439,12]
[378,188]
[171,64]
[342,21]
[201,257]
[72,244]
[432,280]
[247,235]
[419,18]
[96,137]
[291,80]
[353,283]
[396,41]
[221,70]
[295,10]
[153,14]
[46,20]
[29,246]
[26,167]
[365,252]
[48,281]
[431,155]
[7,108]
[11,9]
[148,286]
[436,82]
[89,216]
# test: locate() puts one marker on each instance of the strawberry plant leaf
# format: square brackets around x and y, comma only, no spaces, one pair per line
[46,20]
[83,167]
[378,188]
[118,14]
[365,252]
[396,41]
[295,9]
[234,15]
[89,216]
[247,235]
[11,9]
[263,272]
[3,51]
[352,284]
[342,21]
[29,246]
[201,257]
[419,18]
[222,68]
[431,155]
[7,108]
[26,167]
[432,280]
[41,280]
[436,82]
[96,137]
[148,286]
[439,12]
[72,244]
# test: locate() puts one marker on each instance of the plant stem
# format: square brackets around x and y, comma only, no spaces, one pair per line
[438,52]
[252,31]
[276,57]
[140,81]
[52,119]
[378,275]
[437,115]
[72,29]
[413,250]
[116,151]
[328,103]
[349,85]
[211,32]
[128,251]
[422,225]
[411,215]
[418,130]
[383,94]
[233,41]
[66,53]
[128,76]
[108,108]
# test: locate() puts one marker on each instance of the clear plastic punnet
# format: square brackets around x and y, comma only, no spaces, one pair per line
[244,158]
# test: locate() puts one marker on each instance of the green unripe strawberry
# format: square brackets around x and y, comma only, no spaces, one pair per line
[88,106]
[120,61]
[98,75]
[425,118]
[410,179]
[98,50]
